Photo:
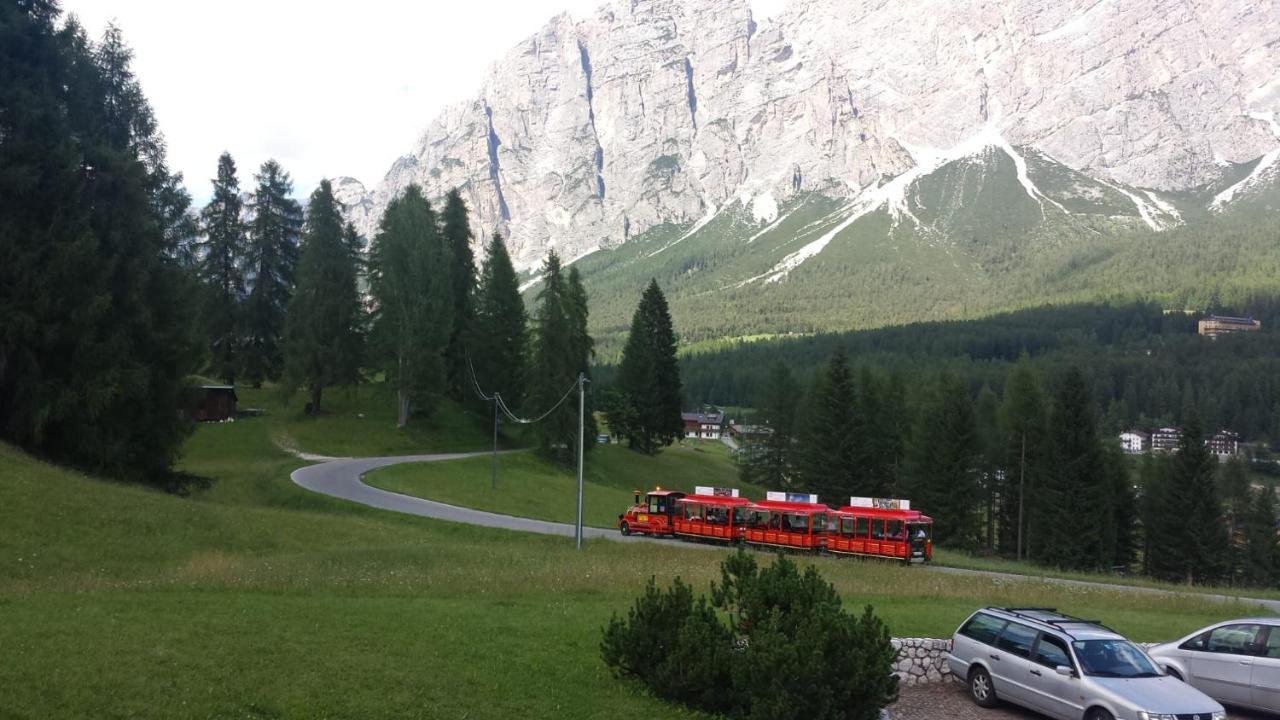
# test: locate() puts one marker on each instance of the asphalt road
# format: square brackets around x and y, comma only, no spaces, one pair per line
[342,478]
[950,700]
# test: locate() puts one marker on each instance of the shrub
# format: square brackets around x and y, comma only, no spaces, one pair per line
[783,647]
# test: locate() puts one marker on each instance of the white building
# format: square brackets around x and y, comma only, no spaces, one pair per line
[1135,442]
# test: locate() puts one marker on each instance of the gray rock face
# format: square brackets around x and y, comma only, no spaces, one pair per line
[666,111]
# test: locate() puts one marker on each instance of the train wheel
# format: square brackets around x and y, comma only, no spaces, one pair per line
[625,528]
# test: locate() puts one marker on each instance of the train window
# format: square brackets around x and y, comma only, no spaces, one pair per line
[718,515]
[658,504]
[863,527]
[692,512]
[846,526]
[820,523]
[895,530]
[795,522]
[877,529]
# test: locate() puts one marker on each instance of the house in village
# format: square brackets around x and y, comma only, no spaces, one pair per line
[1135,442]
[1215,325]
[215,403]
[703,425]
[1165,439]
[1224,444]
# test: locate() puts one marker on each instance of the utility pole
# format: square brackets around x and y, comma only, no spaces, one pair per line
[493,473]
[582,425]
[1022,489]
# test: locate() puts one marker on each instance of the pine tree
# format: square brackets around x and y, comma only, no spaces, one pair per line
[1078,532]
[990,472]
[1261,566]
[409,279]
[322,330]
[1122,541]
[561,352]
[1187,531]
[649,378]
[498,347]
[827,452]
[222,270]
[94,347]
[583,347]
[462,274]
[942,459]
[877,440]
[1233,489]
[1023,424]
[272,260]
[772,463]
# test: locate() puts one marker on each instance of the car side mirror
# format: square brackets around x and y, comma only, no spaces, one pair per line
[1065,671]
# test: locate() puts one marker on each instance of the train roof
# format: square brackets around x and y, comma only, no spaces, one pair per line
[665,492]
[790,506]
[722,500]
[908,515]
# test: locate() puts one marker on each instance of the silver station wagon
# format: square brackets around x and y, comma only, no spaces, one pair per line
[1235,662]
[1068,668]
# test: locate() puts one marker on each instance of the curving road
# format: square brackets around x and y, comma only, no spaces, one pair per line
[342,478]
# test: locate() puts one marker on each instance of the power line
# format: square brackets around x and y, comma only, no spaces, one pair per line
[514,418]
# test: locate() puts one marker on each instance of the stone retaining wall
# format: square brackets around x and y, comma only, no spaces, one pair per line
[921,660]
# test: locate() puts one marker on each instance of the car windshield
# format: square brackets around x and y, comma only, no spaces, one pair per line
[1113,658]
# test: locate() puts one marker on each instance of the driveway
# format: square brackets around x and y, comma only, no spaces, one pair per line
[950,701]
[342,478]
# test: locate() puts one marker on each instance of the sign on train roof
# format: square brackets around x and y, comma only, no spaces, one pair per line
[880,503]
[716,491]
[792,497]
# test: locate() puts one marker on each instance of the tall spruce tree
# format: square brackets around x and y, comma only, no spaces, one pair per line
[1023,419]
[1188,535]
[878,441]
[990,455]
[272,260]
[560,353]
[323,343]
[582,346]
[1261,563]
[828,451]
[1077,495]
[1237,504]
[648,415]
[1122,541]
[462,275]
[410,281]
[499,334]
[222,270]
[93,341]
[770,461]
[942,460]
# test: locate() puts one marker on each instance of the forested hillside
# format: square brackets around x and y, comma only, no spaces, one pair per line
[1144,365]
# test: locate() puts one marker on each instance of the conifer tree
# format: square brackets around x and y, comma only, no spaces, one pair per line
[1261,565]
[409,279]
[561,352]
[498,347]
[582,346]
[1188,536]
[990,454]
[942,459]
[827,452]
[323,344]
[222,270]
[649,378]
[1078,529]
[462,275]
[877,440]
[772,463]
[1023,418]
[1122,540]
[1233,489]
[272,260]
[94,347]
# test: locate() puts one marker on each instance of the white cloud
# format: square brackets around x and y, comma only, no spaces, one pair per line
[327,89]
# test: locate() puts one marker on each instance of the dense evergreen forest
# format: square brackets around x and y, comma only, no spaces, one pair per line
[1143,365]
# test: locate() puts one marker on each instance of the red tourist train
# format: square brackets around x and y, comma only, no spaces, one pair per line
[871,527]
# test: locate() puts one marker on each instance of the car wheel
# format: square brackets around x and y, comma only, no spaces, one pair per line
[625,528]
[1098,714]
[981,689]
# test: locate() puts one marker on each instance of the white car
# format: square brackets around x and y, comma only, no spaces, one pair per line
[1235,662]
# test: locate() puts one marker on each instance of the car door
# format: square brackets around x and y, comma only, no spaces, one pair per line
[1011,663]
[1224,669]
[1053,694]
[1265,678]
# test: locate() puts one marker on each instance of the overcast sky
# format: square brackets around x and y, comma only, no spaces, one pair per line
[325,88]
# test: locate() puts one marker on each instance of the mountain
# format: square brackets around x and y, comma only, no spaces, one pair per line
[946,143]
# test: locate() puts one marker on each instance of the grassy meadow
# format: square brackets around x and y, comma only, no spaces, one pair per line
[257,599]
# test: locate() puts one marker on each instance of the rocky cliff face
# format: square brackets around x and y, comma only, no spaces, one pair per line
[669,111]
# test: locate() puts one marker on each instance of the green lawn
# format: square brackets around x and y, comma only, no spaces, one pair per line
[530,486]
[257,599]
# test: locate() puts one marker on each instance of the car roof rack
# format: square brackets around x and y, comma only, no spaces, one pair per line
[1061,620]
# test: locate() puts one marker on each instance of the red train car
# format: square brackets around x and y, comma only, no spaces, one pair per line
[787,523]
[655,516]
[712,514]
[882,528]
